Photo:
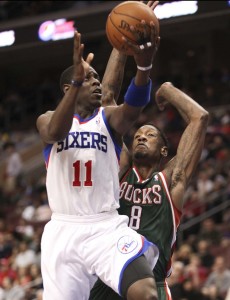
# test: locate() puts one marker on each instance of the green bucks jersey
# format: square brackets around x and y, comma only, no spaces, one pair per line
[152,213]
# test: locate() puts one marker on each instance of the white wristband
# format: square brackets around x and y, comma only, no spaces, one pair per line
[145,68]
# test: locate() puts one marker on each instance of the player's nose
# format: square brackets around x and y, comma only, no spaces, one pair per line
[142,137]
[95,81]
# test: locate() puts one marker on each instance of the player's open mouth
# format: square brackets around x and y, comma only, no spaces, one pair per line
[97,91]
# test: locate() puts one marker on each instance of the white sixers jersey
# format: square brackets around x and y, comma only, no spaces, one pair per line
[82,170]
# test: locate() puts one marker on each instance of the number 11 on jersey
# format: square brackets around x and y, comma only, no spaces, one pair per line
[78,168]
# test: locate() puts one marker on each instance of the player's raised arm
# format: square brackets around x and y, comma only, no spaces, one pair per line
[179,172]
[56,125]
[121,118]
[114,72]
[113,78]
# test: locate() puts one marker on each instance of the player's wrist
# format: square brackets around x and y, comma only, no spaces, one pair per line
[145,68]
[138,96]
[77,83]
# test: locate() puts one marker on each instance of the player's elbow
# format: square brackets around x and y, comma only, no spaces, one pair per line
[200,116]
[204,117]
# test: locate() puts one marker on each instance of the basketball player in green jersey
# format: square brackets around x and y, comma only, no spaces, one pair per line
[152,196]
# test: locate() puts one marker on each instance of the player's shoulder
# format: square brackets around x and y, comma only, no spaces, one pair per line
[44,118]
[49,112]
[46,114]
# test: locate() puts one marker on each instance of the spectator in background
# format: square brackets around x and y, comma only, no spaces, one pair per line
[209,232]
[196,272]
[219,278]
[38,209]
[5,247]
[223,250]
[12,290]
[25,256]
[203,250]
[6,270]
[184,254]
[13,169]
[189,291]
[176,279]
[204,185]
[225,226]
[23,230]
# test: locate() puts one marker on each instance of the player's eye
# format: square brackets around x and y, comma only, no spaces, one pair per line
[152,134]
[97,76]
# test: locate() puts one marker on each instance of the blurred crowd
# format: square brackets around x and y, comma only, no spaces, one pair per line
[18,9]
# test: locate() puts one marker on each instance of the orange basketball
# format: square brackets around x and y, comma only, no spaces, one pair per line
[122,17]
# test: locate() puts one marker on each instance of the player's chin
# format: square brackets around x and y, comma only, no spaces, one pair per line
[139,154]
[96,99]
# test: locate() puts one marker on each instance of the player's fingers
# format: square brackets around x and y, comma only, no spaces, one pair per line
[90,58]
[154,4]
[135,34]
[134,47]
[158,42]
[81,50]
[153,36]
[77,43]
[145,30]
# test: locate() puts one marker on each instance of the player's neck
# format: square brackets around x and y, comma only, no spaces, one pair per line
[84,112]
[146,171]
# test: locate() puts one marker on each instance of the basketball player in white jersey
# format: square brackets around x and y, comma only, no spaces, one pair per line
[82,142]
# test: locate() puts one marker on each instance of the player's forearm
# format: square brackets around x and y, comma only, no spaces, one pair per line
[186,106]
[113,77]
[62,117]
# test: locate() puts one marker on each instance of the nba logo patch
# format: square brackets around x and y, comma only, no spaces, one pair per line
[126,244]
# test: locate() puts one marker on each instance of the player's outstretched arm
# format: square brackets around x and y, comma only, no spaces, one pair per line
[54,126]
[121,118]
[191,143]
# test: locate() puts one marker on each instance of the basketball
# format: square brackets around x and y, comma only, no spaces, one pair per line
[122,17]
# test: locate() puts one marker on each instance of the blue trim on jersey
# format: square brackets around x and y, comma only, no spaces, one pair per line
[117,147]
[81,120]
[46,153]
[146,245]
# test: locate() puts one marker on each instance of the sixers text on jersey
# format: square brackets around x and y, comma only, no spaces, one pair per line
[83,140]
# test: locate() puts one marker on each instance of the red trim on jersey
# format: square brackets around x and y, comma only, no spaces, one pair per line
[175,219]
[167,291]
[125,175]
[83,121]
[139,177]
[177,212]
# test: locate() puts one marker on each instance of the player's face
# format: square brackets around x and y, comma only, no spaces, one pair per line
[91,89]
[90,92]
[146,142]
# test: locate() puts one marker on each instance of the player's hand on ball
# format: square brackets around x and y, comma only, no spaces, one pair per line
[144,53]
[127,15]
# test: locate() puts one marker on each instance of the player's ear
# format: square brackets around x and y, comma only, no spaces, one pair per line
[164,151]
[65,88]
